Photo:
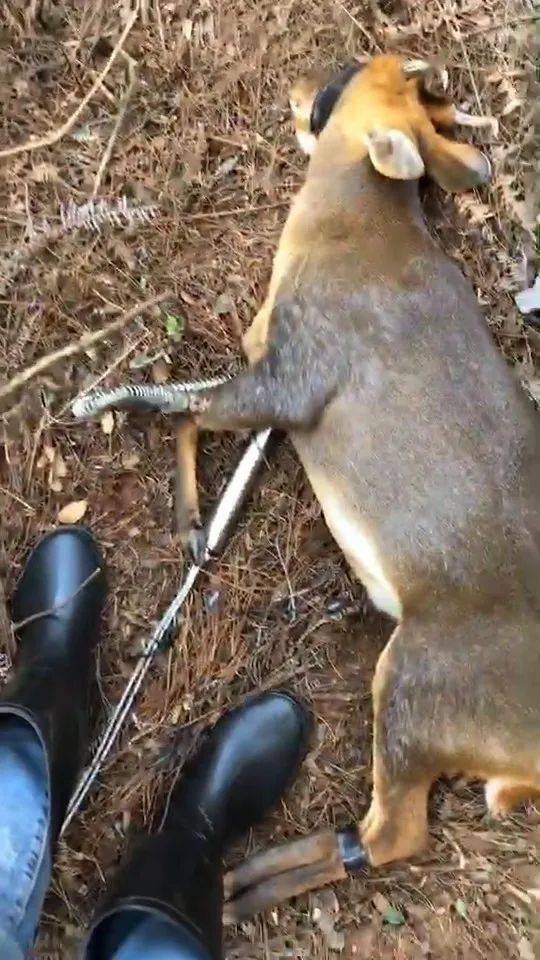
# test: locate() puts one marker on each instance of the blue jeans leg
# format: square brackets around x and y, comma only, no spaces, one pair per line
[25,849]
[139,935]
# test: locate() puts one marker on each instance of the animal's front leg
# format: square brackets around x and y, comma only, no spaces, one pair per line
[254,339]
[187,513]
[288,390]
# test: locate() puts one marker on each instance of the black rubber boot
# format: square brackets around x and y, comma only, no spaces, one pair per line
[241,771]
[55,664]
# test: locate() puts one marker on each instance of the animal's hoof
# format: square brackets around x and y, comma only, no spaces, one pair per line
[196,545]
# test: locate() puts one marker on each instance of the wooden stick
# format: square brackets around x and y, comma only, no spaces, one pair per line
[55,135]
[97,380]
[235,211]
[86,341]
[116,129]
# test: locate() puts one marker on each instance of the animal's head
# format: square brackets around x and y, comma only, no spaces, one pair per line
[389,106]
[313,98]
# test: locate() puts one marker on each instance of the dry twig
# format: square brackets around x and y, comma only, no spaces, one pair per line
[86,341]
[57,606]
[55,135]
[116,129]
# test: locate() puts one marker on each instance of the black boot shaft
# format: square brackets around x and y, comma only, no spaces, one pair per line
[57,603]
[238,774]
[242,768]
[52,584]
[173,875]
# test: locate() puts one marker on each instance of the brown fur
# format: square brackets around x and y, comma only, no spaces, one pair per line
[372,352]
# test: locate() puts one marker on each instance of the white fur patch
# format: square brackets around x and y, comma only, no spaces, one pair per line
[494,788]
[307,141]
[360,551]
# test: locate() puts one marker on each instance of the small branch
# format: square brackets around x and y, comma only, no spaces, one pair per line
[92,386]
[235,211]
[58,606]
[502,24]
[368,36]
[86,341]
[116,129]
[55,135]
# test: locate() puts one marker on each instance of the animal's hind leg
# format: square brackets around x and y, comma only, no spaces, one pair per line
[446,115]
[396,825]
[454,166]
[503,794]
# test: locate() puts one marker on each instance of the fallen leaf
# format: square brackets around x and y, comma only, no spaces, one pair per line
[107,422]
[174,326]
[59,467]
[324,914]
[525,949]
[393,916]
[461,908]
[529,300]
[160,371]
[380,903]
[73,512]
[224,304]
[130,460]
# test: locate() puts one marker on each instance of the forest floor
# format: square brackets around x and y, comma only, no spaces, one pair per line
[188,141]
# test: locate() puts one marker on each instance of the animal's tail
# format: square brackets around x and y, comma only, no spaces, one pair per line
[169,398]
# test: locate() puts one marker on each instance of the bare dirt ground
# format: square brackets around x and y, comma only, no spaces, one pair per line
[190,124]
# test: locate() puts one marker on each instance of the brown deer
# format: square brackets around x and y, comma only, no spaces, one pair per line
[424,453]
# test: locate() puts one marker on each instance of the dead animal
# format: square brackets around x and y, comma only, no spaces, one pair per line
[372,352]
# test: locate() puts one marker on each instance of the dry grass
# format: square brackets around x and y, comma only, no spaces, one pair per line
[203,136]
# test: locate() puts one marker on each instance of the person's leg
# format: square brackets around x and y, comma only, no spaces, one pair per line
[44,720]
[137,934]
[167,903]
[25,858]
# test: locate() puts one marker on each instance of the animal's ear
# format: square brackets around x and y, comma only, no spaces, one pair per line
[394,154]
[454,166]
